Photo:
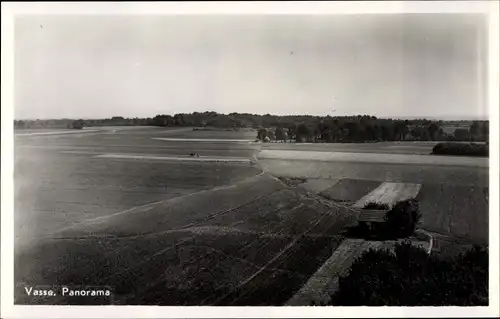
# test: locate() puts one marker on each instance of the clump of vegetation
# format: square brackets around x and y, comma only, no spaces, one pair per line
[403,218]
[469,149]
[400,222]
[375,205]
[411,277]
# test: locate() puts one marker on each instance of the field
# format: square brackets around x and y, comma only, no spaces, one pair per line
[130,209]
[59,181]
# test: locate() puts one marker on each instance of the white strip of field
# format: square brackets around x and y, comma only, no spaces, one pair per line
[56,132]
[389,193]
[374,158]
[176,158]
[200,140]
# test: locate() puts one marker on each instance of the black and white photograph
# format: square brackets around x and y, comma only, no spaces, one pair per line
[288,160]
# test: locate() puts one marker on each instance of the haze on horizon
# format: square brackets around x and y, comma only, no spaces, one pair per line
[405,65]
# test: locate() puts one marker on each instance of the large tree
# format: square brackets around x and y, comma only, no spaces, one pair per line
[433,128]
[303,133]
[262,134]
[280,133]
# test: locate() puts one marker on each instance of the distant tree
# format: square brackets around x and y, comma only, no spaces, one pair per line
[475,128]
[179,119]
[387,132]
[280,133]
[401,129]
[271,135]
[222,121]
[352,130]
[358,128]
[324,131]
[479,130]
[485,128]
[433,128]
[303,133]
[262,134]
[441,135]
[19,124]
[462,134]
[78,124]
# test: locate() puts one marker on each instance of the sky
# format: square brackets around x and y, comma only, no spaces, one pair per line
[402,65]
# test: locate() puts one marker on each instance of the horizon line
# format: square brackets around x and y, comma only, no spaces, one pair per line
[423,117]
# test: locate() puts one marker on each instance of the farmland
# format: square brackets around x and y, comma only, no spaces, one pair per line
[112,208]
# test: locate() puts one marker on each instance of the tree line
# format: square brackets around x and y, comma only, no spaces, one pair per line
[300,128]
[371,129]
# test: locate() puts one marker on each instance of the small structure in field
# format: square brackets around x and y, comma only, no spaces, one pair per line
[400,220]
[373,213]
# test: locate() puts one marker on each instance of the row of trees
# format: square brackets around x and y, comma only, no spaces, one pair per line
[71,123]
[302,128]
[368,129]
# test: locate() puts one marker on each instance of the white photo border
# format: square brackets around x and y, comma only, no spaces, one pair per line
[10,10]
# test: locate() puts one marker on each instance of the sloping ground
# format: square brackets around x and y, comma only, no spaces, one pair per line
[316,186]
[460,211]
[254,243]
[374,158]
[381,172]
[451,210]
[54,190]
[413,147]
[349,190]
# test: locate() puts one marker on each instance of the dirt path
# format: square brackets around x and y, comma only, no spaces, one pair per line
[325,282]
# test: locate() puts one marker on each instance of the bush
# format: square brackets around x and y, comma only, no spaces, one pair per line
[469,149]
[403,218]
[410,277]
[401,221]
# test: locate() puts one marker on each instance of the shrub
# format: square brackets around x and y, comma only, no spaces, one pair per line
[410,277]
[470,149]
[401,221]
[403,218]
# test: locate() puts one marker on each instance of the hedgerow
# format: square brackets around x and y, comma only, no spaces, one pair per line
[470,149]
